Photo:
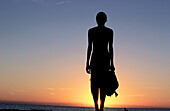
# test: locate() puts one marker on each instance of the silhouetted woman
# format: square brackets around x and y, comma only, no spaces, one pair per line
[99,57]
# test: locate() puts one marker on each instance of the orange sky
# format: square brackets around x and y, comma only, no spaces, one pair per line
[43,51]
[74,89]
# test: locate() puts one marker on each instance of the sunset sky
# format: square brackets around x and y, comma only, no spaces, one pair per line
[43,51]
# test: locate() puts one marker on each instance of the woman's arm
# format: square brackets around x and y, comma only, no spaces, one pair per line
[111,51]
[89,49]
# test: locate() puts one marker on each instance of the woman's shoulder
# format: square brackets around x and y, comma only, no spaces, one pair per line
[109,29]
[93,28]
[96,29]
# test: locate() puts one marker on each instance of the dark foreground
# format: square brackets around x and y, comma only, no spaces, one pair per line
[22,107]
[22,110]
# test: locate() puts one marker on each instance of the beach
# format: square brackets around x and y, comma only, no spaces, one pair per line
[23,107]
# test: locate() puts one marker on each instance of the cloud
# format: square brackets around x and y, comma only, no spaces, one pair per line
[51,89]
[46,3]
[59,3]
[62,2]
[52,93]
[50,3]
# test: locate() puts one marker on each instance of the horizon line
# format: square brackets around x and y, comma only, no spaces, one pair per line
[76,105]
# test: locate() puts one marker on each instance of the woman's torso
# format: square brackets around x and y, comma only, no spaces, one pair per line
[100,55]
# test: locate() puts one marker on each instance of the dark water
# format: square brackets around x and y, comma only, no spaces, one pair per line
[67,108]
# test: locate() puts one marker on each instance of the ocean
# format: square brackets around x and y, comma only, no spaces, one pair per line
[69,108]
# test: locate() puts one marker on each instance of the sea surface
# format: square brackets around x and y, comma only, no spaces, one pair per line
[69,108]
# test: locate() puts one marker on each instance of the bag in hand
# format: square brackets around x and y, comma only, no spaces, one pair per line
[111,84]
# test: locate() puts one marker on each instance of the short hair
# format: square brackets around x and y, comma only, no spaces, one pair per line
[101,18]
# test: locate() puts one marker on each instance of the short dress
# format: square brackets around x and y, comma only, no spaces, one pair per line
[99,71]
[100,58]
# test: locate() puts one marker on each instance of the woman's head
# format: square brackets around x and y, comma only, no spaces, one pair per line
[101,18]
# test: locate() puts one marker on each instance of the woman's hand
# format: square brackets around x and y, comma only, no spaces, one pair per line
[88,69]
[112,68]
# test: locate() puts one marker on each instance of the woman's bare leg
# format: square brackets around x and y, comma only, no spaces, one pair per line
[102,98]
[95,92]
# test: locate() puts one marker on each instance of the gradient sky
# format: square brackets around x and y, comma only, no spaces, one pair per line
[43,51]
